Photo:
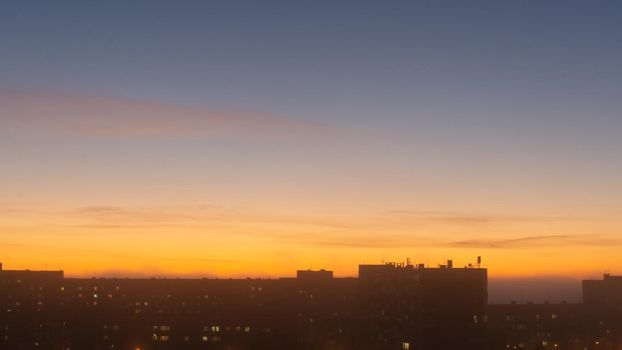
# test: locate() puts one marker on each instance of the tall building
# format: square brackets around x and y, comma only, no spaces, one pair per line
[408,307]
[607,291]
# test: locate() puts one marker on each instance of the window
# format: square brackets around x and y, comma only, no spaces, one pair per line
[405,346]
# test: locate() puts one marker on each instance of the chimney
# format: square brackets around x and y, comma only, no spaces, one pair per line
[450,264]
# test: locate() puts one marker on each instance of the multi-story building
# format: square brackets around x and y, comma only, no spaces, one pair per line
[389,306]
[408,307]
[594,324]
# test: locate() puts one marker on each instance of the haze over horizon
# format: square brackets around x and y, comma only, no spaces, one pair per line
[248,139]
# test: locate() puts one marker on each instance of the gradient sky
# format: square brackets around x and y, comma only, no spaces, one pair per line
[229,138]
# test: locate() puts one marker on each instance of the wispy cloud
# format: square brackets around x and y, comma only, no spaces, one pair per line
[44,113]
[373,232]
[109,217]
[539,241]
[116,215]
[465,218]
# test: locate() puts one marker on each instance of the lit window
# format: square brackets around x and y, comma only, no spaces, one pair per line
[405,346]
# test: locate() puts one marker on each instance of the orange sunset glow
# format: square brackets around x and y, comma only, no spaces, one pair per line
[210,159]
[320,175]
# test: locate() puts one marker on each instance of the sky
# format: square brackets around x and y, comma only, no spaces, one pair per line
[232,138]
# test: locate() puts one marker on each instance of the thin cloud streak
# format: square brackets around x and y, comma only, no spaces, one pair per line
[371,233]
[103,117]
[459,218]
[103,218]
[539,241]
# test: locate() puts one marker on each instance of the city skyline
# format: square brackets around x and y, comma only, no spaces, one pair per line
[390,306]
[256,139]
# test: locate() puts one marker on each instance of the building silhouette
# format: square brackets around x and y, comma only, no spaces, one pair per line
[389,306]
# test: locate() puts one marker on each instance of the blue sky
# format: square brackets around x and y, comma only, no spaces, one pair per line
[335,110]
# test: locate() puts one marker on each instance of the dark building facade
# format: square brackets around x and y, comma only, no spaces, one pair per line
[389,306]
[408,307]
[596,323]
